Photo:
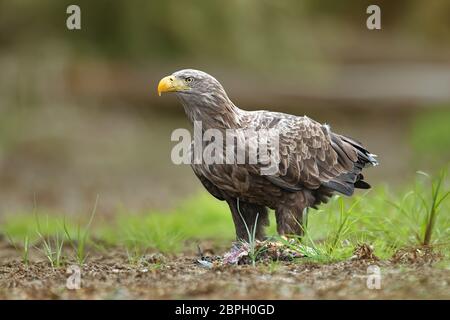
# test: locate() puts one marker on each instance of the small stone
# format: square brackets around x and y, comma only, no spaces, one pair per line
[205,264]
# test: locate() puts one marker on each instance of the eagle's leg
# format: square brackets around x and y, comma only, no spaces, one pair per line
[252,214]
[291,221]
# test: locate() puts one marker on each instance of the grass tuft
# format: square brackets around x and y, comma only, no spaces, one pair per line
[78,244]
[432,207]
[253,253]
[24,249]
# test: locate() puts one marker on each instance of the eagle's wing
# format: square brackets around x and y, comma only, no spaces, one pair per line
[312,156]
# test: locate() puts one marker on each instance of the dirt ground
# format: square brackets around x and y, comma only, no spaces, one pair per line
[409,275]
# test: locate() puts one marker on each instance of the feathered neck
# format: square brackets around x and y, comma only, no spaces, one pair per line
[213,109]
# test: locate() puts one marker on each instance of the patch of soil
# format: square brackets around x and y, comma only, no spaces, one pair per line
[111,276]
[418,256]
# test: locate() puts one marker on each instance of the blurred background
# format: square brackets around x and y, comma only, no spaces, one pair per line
[80,117]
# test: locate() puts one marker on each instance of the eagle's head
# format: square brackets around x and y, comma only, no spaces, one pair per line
[201,95]
[190,82]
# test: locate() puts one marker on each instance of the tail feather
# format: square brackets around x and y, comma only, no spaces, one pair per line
[364,155]
[345,183]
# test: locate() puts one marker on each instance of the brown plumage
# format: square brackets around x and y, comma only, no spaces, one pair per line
[314,162]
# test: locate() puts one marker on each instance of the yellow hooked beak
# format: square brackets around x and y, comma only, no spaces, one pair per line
[171,84]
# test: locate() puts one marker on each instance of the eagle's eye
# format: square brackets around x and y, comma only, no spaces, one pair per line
[189,79]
